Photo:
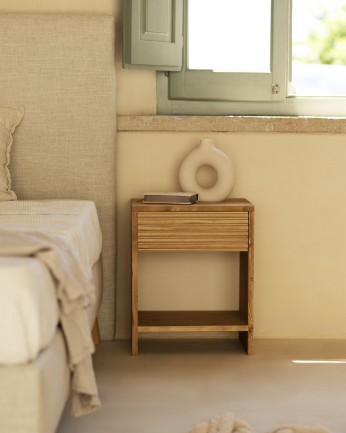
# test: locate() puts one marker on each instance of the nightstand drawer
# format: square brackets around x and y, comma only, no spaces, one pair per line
[193,231]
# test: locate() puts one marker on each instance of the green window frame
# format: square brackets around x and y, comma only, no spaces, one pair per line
[155,38]
[206,85]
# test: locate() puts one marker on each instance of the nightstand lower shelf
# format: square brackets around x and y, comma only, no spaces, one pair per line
[193,321]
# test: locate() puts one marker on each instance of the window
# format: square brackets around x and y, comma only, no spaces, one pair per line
[214,27]
[319,48]
[254,57]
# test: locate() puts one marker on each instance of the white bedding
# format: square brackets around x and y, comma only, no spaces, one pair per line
[76,220]
[28,308]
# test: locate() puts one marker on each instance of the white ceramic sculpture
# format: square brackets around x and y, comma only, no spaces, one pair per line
[207,154]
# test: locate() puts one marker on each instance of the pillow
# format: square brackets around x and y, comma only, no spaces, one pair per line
[9,120]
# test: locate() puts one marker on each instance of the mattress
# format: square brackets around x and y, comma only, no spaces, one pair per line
[28,309]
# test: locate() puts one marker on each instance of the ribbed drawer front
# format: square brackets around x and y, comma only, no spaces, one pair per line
[193,231]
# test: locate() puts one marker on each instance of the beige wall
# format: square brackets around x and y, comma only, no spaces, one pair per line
[297,183]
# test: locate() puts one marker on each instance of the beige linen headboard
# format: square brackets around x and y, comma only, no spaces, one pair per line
[61,69]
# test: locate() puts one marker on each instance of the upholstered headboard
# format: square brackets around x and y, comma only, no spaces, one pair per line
[61,69]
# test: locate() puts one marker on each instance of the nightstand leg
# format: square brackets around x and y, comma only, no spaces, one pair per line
[134,321]
[246,299]
[246,339]
[134,341]
[134,313]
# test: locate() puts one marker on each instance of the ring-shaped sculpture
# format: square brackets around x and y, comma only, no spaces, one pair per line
[207,154]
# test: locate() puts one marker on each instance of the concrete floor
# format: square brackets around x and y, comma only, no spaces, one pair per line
[175,384]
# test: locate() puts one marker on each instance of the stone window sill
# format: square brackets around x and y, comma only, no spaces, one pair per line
[310,125]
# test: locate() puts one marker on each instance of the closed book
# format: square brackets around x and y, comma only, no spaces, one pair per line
[171,197]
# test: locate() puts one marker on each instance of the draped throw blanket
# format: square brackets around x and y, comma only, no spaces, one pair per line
[74,294]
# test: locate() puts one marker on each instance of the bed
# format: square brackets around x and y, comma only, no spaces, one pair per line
[57,188]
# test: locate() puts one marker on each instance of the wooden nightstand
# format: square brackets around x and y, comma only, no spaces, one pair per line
[204,226]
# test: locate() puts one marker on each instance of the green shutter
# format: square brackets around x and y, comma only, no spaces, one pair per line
[152,36]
